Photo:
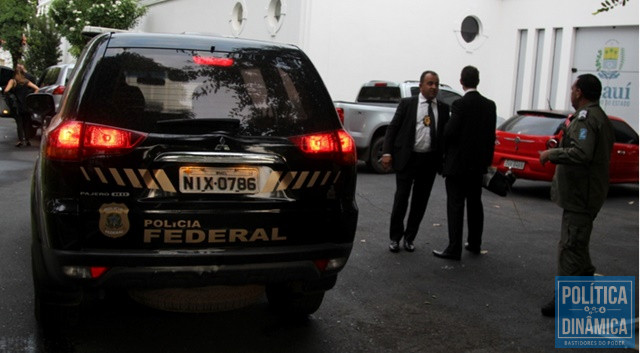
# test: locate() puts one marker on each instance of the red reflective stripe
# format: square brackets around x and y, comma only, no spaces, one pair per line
[97,271]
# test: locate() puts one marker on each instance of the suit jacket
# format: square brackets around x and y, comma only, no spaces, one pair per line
[400,137]
[469,136]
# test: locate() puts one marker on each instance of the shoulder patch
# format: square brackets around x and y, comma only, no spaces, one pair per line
[582,115]
[582,135]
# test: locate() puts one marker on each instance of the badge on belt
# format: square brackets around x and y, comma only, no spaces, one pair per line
[426,121]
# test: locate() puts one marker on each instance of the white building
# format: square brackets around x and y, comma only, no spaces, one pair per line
[528,51]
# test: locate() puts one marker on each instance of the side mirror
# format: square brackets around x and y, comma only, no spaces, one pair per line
[41,104]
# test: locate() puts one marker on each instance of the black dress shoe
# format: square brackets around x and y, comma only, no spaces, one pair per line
[472,249]
[446,255]
[408,245]
[394,246]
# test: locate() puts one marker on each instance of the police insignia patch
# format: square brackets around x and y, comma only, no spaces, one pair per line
[114,220]
[583,134]
[582,115]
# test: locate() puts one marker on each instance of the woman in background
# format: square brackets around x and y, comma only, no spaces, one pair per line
[20,86]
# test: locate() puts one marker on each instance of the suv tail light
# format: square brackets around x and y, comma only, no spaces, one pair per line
[75,140]
[336,144]
[340,112]
[59,90]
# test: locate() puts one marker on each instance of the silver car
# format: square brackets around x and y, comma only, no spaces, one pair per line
[54,80]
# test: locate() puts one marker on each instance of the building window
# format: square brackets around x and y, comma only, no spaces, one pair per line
[470,29]
[238,18]
[275,16]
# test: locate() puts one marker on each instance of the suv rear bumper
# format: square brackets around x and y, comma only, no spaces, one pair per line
[58,270]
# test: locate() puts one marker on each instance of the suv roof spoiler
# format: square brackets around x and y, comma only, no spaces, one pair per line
[92,31]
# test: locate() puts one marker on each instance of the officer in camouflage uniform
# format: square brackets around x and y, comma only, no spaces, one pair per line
[581,181]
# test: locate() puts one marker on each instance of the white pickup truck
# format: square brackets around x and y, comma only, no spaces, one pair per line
[367,118]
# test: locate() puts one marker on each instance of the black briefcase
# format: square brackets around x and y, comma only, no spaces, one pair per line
[497,182]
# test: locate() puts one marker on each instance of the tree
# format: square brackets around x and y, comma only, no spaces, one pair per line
[44,45]
[72,16]
[610,4]
[15,15]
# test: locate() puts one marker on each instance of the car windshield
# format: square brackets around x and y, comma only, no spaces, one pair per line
[267,93]
[537,125]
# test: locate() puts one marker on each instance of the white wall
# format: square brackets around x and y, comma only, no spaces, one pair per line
[567,15]
[353,41]
[206,16]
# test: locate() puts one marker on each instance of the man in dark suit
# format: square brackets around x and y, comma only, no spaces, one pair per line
[469,140]
[412,148]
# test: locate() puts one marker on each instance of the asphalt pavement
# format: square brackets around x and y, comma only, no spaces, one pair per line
[383,302]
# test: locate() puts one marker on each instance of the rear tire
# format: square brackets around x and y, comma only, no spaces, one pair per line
[50,315]
[285,300]
[375,153]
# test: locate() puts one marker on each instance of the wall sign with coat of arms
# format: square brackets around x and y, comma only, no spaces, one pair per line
[610,60]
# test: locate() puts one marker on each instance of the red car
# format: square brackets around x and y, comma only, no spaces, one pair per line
[520,138]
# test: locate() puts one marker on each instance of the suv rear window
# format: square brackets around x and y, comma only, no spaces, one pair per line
[265,93]
[537,125]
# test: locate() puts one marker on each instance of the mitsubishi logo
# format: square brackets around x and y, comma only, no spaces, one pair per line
[222,146]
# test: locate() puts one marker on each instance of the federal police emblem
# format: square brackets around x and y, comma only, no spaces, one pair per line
[114,220]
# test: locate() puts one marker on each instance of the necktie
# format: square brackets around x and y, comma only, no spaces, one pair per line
[432,125]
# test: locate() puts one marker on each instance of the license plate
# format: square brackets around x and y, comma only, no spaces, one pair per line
[207,180]
[514,164]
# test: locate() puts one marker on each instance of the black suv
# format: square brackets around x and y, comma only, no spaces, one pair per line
[181,161]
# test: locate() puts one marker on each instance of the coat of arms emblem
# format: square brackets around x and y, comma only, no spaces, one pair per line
[610,60]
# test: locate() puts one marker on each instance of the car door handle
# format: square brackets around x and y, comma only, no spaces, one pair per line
[622,152]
